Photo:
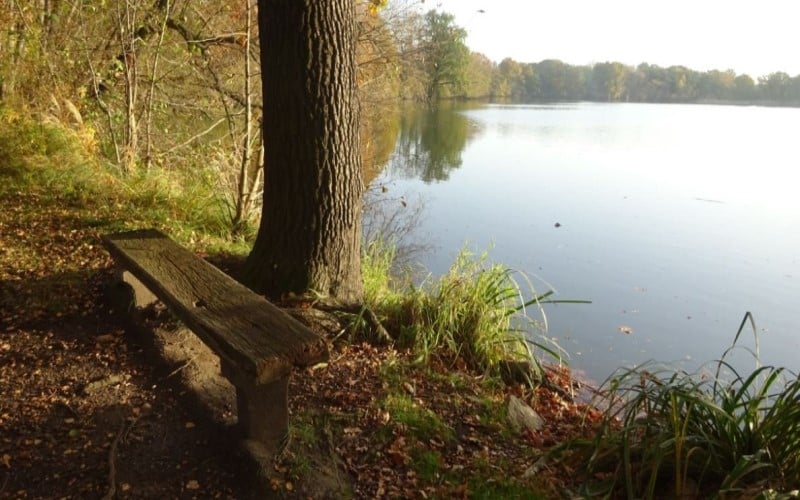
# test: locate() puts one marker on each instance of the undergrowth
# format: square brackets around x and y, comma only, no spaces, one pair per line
[63,165]
[719,433]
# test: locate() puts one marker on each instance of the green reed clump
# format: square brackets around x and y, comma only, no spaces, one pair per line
[476,312]
[469,314]
[723,434]
[377,259]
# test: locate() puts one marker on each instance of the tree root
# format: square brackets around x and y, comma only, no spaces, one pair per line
[549,385]
[181,368]
[378,332]
[376,327]
[112,466]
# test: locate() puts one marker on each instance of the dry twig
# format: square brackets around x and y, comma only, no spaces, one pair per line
[112,466]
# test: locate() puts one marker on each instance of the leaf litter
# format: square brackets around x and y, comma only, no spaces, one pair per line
[78,394]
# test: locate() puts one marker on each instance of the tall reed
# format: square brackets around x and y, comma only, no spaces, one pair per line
[476,313]
[719,433]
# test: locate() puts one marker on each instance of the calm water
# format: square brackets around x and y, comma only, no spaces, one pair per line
[674,219]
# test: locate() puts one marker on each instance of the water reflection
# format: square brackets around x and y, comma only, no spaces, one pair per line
[430,143]
[380,127]
[395,218]
[636,190]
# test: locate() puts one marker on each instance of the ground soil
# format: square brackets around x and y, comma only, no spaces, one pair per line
[93,405]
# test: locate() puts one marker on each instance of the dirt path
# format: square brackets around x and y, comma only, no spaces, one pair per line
[87,409]
[83,413]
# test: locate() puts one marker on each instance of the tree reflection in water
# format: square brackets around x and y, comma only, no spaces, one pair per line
[430,143]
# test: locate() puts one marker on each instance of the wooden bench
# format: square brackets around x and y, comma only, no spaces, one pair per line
[258,344]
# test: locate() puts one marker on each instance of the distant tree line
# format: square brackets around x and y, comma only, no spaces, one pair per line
[426,58]
[174,83]
[554,80]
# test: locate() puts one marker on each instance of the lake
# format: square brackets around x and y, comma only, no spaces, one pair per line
[674,220]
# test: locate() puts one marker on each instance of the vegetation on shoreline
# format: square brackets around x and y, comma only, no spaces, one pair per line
[552,80]
[477,315]
[699,434]
[716,433]
[393,424]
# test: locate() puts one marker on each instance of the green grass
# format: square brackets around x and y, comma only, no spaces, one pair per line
[303,430]
[496,487]
[477,313]
[378,256]
[428,465]
[418,426]
[45,154]
[494,416]
[63,166]
[419,422]
[723,433]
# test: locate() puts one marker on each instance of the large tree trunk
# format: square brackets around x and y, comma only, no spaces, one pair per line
[309,239]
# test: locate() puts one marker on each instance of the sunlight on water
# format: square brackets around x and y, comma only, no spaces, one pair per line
[674,220]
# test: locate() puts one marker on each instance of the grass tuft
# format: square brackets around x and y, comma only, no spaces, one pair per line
[695,434]
[475,314]
[420,422]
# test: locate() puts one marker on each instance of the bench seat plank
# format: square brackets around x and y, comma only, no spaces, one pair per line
[249,333]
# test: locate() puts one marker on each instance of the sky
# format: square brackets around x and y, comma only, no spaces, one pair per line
[752,37]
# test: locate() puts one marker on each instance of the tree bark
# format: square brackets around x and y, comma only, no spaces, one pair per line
[309,238]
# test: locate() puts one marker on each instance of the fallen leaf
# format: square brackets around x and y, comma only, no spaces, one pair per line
[192,484]
[7,460]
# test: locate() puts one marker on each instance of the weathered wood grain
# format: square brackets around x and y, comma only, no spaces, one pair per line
[251,335]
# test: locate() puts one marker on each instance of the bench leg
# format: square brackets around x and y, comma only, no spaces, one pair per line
[264,414]
[127,291]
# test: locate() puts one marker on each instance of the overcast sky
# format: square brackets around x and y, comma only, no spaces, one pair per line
[753,37]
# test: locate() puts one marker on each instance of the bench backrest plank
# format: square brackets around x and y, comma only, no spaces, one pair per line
[245,329]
